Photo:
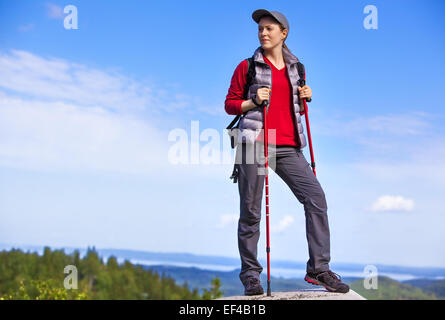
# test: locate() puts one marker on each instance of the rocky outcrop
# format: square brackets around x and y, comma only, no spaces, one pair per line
[309,294]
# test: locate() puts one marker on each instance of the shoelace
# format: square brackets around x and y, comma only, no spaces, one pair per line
[333,277]
[252,281]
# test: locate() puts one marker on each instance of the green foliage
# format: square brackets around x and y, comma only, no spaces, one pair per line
[31,276]
[43,290]
[230,284]
[433,287]
[389,289]
[214,291]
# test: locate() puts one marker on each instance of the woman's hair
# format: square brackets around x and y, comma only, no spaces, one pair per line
[282,28]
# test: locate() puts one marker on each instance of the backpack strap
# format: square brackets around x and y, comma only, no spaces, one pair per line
[235,173]
[302,75]
[230,126]
[250,76]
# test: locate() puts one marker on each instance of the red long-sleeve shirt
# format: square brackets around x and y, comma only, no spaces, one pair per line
[279,116]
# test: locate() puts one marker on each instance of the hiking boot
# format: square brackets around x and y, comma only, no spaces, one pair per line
[252,286]
[328,279]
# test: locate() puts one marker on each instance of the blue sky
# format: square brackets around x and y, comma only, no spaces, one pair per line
[85,117]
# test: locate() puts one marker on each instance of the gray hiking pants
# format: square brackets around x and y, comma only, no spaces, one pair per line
[290,165]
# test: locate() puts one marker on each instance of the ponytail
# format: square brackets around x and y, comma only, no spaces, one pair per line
[284,44]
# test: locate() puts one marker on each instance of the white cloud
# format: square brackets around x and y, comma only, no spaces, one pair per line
[422,163]
[410,123]
[60,136]
[59,80]
[55,79]
[54,11]
[399,148]
[283,224]
[384,135]
[26,27]
[392,203]
[398,124]
[58,115]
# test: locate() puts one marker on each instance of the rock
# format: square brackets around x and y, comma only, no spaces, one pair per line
[307,294]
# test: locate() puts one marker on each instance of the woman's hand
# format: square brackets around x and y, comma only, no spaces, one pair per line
[305,92]
[262,94]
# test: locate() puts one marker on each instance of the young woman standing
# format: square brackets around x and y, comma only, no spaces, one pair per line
[275,80]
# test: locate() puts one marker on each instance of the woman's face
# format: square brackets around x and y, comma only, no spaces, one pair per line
[269,33]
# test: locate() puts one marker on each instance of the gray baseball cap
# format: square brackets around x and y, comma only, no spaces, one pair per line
[258,14]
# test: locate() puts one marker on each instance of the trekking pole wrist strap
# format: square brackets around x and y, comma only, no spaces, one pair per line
[254,101]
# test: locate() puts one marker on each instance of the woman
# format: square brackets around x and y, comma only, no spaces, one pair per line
[275,80]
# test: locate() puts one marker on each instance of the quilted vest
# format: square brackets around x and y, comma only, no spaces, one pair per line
[251,122]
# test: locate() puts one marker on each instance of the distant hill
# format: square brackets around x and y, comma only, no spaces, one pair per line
[388,289]
[197,271]
[230,283]
[221,263]
[433,287]
[25,275]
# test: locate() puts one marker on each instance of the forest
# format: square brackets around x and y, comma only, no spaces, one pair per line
[27,275]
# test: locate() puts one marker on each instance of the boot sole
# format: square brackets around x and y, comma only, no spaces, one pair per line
[254,293]
[316,283]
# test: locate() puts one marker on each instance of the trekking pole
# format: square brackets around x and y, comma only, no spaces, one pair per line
[303,82]
[309,137]
[265,103]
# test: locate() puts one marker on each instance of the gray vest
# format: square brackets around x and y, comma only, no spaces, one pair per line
[251,122]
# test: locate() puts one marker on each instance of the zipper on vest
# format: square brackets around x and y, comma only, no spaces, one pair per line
[294,116]
[270,95]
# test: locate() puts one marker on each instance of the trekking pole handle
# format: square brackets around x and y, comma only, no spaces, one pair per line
[302,84]
[265,102]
